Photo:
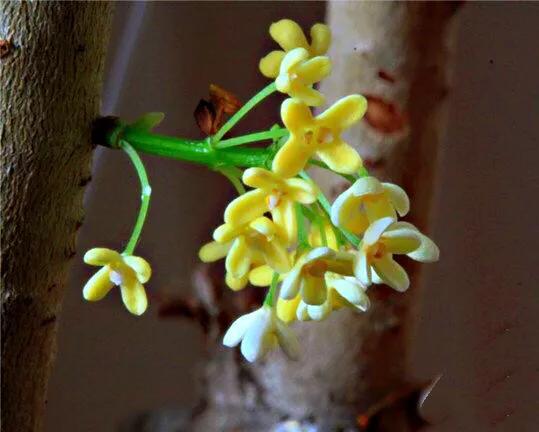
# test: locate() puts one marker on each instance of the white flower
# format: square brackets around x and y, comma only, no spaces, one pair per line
[259,332]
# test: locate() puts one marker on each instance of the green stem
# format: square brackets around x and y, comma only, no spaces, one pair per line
[146,192]
[257,136]
[257,98]
[197,151]
[231,174]
[270,296]
[303,242]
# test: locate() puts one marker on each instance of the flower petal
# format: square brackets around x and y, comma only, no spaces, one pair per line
[391,273]
[307,95]
[235,283]
[398,198]
[261,276]
[237,330]
[284,216]
[427,252]
[340,157]
[291,283]
[292,59]
[346,213]
[141,267]
[238,259]
[343,113]
[292,157]
[134,297]
[98,285]
[258,339]
[352,291]
[246,207]
[276,256]
[362,268]
[320,39]
[314,70]
[213,251]
[270,64]
[263,226]
[101,256]
[296,115]
[401,241]
[313,290]
[375,230]
[301,191]
[366,186]
[286,309]
[379,208]
[288,34]
[261,178]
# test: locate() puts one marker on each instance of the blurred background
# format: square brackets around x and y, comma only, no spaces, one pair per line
[480,313]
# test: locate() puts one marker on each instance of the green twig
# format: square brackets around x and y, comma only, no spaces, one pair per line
[254,137]
[270,296]
[231,174]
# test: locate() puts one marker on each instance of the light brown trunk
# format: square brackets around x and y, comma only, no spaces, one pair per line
[398,53]
[50,83]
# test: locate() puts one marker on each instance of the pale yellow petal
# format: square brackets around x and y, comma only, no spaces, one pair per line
[362,268]
[291,284]
[284,216]
[261,276]
[301,191]
[320,39]
[313,290]
[227,232]
[292,59]
[401,241]
[235,283]
[375,230]
[263,226]
[276,256]
[427,252]
[344,113]
[286,309]
[314,70]
[306,94]
[391,273]
[238,259]
[270,64]
[398,198]
[379,208]
[213,251]
[260,178]
[98,285]
[366,186]
[288,34]
[101,256]
[246,207]
[346,213]
[141,266]
[292,157]
[296,115]
[134,298]
[340,157]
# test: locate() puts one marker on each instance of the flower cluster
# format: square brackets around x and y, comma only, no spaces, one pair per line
[280,234]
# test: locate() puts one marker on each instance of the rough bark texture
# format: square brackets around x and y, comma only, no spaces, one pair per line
[50,81]
[399,55]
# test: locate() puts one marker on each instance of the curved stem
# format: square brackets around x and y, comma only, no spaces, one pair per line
[257,136]
[257,98]
[146,192]
[229,173]
[270,296]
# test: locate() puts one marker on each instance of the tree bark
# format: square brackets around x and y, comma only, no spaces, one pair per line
[399,55]
[50,78]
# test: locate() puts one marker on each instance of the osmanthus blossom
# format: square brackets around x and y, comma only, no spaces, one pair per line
[260,332]
[128,272]
[343,291]
[272,194]
[307,277]
[261,236]
[385,238]
[320,136]
[289,35]
[298,73]
[367,200]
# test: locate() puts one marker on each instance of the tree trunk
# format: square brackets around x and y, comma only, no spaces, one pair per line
[398,54]
[50,78]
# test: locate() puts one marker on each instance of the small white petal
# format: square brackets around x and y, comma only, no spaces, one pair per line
[237,330]
[376,229]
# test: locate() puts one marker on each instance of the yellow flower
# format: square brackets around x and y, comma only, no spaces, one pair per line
[289,35]
[245,243]
[315,236]
[272,194]
[298,73]
[286,309]
[343,291]
[381,241]
[129,272]
[307,277]
[260,332]
[366,201]
[320,136]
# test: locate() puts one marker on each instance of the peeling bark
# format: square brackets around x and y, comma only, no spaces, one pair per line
[50,80]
